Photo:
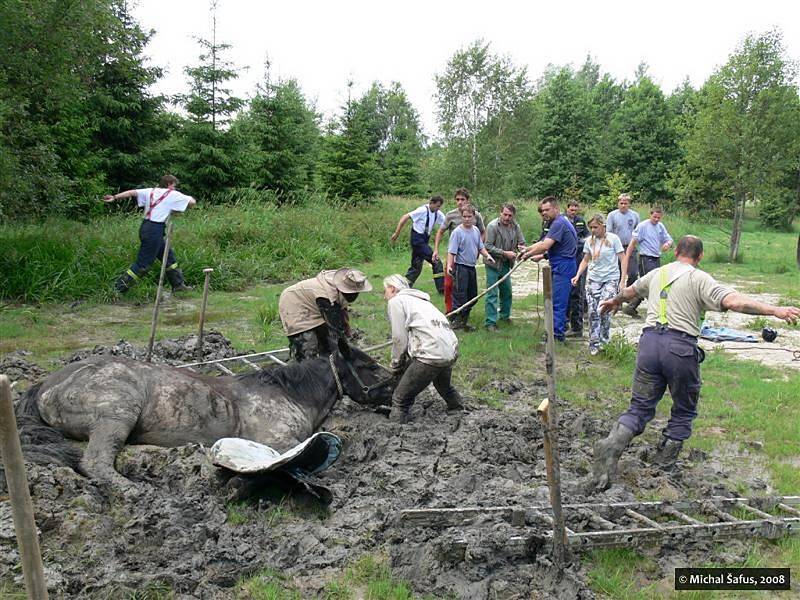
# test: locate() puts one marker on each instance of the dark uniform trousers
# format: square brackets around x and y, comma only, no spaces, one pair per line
[646,264]
[465,288]
[666,358]
[421,251]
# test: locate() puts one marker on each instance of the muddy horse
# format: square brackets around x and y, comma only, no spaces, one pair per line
[111,401]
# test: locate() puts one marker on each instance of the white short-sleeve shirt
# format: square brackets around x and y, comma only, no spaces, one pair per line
[422,214]
[173,201]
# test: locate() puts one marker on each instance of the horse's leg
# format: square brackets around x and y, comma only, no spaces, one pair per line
[106,440]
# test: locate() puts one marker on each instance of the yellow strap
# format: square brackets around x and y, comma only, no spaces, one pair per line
[662,296]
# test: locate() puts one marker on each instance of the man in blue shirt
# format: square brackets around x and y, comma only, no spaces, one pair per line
[423,220]
[652,238]
[561,245]
[622,222]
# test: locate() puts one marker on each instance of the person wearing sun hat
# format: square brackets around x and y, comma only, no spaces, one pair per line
[314,312]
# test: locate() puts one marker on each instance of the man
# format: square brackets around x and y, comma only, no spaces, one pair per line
[423,220]
[424,348]
[621,222]
[561,245]
[578,291]
[158,204]
[313,312]
[545,223]
[504,240]
[678,294]
[462,255]
[452,220]
[652,238]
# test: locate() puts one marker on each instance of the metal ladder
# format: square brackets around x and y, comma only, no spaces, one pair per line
[625,524]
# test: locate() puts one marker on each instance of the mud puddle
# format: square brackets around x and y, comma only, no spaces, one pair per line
[178,531]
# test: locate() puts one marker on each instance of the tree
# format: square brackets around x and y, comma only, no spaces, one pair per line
[744,136]
[476,88]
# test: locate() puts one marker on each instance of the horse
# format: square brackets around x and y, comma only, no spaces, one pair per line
[111,401]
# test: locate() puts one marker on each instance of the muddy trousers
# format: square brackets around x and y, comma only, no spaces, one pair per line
[417,377]
[646,264]
[564,270]
[312,343]
[599,324]
[421,252]
[465,288]
[151,247]
[666,357]
[503,291]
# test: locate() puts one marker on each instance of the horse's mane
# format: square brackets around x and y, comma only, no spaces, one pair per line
[300,381]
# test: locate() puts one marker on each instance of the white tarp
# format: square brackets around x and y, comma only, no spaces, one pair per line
[315,454]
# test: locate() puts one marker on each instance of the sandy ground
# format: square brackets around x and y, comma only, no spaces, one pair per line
[784,352]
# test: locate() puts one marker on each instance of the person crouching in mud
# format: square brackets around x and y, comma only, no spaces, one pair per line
[424,348]
[677,294]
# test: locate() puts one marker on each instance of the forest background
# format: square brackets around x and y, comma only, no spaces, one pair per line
[78,119]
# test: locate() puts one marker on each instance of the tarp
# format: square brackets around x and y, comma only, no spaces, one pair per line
[723,334]
[312,456]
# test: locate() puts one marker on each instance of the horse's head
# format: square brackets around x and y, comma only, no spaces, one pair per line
[363,379]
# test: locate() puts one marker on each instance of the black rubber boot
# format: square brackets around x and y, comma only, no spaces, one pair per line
[454,403]
[667,453]
[606,456]
[399,414]
[125,282]
[175,278]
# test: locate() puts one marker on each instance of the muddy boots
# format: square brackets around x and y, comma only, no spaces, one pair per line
[399,414]
[667,453]
[125,282]
[606,456]
[175,278]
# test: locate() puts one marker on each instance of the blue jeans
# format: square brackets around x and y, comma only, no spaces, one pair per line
[564,270]
[503,291]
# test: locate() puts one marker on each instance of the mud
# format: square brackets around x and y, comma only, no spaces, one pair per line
[174,531]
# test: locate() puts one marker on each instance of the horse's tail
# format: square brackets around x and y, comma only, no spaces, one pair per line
[42,444]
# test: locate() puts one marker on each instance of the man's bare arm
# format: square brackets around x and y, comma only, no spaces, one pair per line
[750,306]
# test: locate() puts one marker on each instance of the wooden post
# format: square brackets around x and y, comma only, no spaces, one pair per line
[21,506]
[549,417]
[158,292]
[199,351]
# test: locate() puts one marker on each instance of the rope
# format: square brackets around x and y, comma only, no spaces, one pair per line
[336,376]
[486,291]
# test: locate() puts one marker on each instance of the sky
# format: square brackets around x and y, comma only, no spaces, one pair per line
[325,44]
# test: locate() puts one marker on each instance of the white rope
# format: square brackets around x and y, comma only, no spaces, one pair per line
[336,376]
[486,291]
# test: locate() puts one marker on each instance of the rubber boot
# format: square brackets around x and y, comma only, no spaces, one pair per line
[175,278]
[454,403]
[399,414]
[667,453]
[125,282]
[606,456]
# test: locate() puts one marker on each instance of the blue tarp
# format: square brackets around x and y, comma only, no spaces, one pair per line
[723,334]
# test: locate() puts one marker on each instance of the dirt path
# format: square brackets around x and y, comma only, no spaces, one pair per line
[784,352]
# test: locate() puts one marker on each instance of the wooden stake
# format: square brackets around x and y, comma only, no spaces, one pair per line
[158,292]
[549,416]
[199,351]
[21,506]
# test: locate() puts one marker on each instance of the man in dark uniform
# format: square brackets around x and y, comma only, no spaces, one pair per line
[423,221]
[578,293]
[668,356]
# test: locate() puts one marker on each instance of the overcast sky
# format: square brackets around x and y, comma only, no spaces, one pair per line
[323,44]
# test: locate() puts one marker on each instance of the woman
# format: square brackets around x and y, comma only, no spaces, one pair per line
[602,255]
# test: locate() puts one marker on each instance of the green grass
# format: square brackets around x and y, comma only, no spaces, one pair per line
[268,584]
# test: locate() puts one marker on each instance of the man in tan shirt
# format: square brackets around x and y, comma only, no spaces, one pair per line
[314,312]
[678,294]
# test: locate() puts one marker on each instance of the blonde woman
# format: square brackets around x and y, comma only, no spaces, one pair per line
[602,256]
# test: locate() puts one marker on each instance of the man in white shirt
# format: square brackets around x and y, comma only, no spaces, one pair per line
[158,203]
[423,221]
[424,348]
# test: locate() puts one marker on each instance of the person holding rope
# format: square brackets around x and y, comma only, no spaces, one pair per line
[158,204]
[602,256]
[462,255]
[560,244]
[424,348]
[452,220]
[423,221]
[504,240]
[668,356]
[314,312]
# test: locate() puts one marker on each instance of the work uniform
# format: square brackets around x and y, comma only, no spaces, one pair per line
[424,349]
[562,262]
[452,220]
[423,221]
[313,314]
[578,292]
[622,225]
[678,295]
[157,203]
[500,238]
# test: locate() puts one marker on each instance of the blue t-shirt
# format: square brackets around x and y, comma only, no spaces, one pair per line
[603,262]
[565,237]
[651,237]
[465,244]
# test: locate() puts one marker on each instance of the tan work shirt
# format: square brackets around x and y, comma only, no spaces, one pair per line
[298,303]
[689,296]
